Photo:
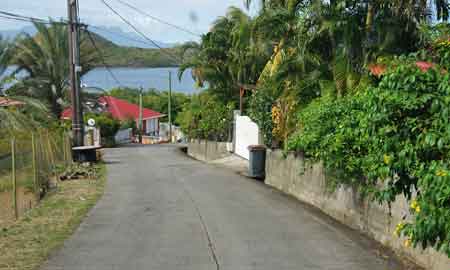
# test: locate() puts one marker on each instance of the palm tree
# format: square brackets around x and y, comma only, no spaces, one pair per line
[12,119]
[45,58]
[4,58]
[228,56]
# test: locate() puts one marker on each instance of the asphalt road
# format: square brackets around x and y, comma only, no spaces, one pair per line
[165,211]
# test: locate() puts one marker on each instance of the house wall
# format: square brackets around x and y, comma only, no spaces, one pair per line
[246,134]
[308,183]
[151,126]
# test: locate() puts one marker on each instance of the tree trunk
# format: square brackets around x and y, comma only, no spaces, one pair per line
[369,17]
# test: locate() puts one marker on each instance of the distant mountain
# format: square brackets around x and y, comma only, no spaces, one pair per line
[11,34]
[113,34]
[121,52]
[123,56]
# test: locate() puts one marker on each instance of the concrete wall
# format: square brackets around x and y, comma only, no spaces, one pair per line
[207,150]
[307,182]
[246,134]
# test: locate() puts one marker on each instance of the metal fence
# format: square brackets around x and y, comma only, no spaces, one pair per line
[29,165]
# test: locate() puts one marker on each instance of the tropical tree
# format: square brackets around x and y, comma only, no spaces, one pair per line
[17,118]
[228,56]
[44,57]
[4,58]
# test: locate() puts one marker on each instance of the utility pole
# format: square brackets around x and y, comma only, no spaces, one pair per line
[140,115]
[74,72]
[170,106]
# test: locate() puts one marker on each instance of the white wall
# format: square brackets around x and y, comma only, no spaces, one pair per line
[246,134]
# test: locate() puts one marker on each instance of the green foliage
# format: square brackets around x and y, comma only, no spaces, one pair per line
[120,56]
[397,134]
[44,57]
[206,117]
[260,111]
[153,99]
[129,123]
[436,38]
[229,55]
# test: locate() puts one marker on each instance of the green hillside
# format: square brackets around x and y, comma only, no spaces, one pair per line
[134,57]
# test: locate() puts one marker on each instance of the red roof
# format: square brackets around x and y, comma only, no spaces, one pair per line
[119,109]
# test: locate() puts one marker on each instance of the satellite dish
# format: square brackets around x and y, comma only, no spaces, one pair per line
[91,122]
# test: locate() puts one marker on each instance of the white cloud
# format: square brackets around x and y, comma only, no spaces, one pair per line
[94,12]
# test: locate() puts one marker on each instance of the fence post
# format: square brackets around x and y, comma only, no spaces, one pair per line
[35,172]
[13,174]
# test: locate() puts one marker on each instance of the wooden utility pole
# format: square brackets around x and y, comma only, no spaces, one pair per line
[170,106]
[74,72]
[140,116]
[14,178]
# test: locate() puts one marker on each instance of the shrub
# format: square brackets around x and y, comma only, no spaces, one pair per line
[397,133]
[260,111]
[206,117]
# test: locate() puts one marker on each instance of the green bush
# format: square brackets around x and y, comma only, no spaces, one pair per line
[206,117]
[398,134]
[260,111]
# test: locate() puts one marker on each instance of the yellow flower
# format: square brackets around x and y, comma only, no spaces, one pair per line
[398,228]
[414,204]
[441,173]
[387,159]
[407,243]
[417,209]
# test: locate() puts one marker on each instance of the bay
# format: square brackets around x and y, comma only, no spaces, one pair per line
[147,78]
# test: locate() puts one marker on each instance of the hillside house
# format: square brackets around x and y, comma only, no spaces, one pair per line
[123,110]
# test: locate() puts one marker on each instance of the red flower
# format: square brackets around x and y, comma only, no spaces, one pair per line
[424,66]
[377,69]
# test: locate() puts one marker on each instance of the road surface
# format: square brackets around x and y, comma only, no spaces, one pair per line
[165,211]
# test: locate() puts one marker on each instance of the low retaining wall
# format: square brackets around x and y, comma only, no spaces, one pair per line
[307,182]
[207,150]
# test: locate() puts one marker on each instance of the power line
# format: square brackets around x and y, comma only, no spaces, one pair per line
[141,33]
[102,58]
[18,17]
[158,19]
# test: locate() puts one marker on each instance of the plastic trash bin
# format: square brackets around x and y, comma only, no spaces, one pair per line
[257,161]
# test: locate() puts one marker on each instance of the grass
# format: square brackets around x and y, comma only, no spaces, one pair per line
[27,243]
[24,179]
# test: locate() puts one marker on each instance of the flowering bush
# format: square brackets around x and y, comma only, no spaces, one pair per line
[398,134]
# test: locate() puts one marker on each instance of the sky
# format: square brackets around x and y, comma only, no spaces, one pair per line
[195,15]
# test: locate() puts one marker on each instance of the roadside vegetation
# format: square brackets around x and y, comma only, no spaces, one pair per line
[27,242]
[38,211]
[362,86]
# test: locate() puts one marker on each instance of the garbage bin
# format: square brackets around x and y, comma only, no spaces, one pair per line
[257,161]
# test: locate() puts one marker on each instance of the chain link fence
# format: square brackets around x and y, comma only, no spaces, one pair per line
[29,165]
